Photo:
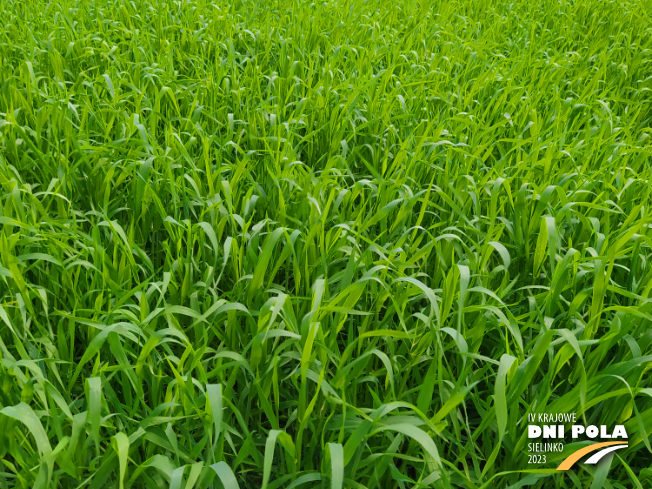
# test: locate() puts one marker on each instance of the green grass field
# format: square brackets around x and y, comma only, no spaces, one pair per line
[267,244]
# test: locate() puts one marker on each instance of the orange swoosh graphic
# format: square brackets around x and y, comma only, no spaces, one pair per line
[575,456]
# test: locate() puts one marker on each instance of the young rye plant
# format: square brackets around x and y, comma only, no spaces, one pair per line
[340,244]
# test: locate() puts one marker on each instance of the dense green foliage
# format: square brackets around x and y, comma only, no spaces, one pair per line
[342,244]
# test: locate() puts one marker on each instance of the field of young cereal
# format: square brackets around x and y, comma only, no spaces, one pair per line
[353,244]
